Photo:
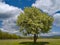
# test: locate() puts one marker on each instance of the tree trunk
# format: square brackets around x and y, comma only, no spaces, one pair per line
[35,38]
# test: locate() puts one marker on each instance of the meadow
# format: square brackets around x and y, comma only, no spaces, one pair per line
[30,42]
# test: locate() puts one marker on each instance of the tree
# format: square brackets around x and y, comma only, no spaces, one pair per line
[33,21]
[6,35]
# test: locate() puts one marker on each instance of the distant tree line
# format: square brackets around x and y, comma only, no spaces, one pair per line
[6,35]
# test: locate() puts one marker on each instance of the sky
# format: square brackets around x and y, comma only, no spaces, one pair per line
[10,9]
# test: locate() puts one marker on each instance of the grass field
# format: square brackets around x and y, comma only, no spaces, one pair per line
[30,42]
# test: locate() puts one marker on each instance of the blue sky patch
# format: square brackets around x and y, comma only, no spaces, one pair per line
[20,3]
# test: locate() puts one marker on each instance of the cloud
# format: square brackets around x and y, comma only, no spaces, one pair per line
[50,34]
[1,0]
[8,16]
[7,11]
[50,7]
[10,25]
[57,19]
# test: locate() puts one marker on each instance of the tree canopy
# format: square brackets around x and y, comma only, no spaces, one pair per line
[34,21]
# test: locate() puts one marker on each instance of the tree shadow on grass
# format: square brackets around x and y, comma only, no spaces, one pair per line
[31,43]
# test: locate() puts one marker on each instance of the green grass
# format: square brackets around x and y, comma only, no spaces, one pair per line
[30,42]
